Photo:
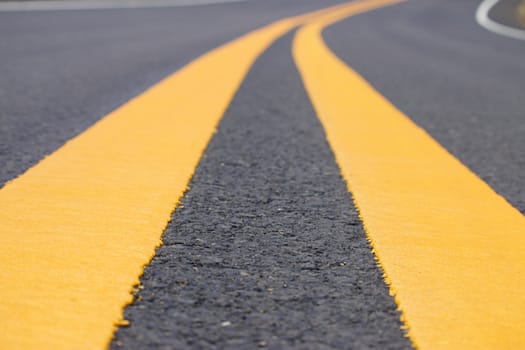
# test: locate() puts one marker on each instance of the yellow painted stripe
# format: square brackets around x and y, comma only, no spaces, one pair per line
[452,249]
[77,229]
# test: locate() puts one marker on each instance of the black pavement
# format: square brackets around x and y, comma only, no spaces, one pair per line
[458,81]
[268,249]
[61,71]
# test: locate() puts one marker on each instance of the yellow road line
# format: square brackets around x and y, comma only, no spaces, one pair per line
[77,229]
[453,250]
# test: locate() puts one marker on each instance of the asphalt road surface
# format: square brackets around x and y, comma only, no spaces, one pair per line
[267,248]
[505,12]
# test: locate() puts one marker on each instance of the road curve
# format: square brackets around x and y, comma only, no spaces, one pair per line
[484,20]
[266,248]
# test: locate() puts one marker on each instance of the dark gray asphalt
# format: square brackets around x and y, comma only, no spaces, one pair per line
[61,71]
[505,12]
[268,250]
[267,239]
[460,82]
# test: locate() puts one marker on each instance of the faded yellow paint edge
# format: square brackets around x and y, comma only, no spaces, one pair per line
[405,324]
[137,285]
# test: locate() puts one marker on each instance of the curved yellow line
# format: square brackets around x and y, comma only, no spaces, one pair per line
[453,250]
[77,229]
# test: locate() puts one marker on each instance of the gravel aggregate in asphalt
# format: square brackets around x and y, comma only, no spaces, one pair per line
[267,249]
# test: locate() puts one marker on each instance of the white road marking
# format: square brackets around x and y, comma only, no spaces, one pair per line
[482,16]
[60,5]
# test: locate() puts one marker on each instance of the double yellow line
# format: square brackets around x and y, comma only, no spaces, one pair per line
[77,229]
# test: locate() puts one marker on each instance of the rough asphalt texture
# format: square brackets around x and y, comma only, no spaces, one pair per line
[267,249]
[458,81]
[254,221]
[61,71]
